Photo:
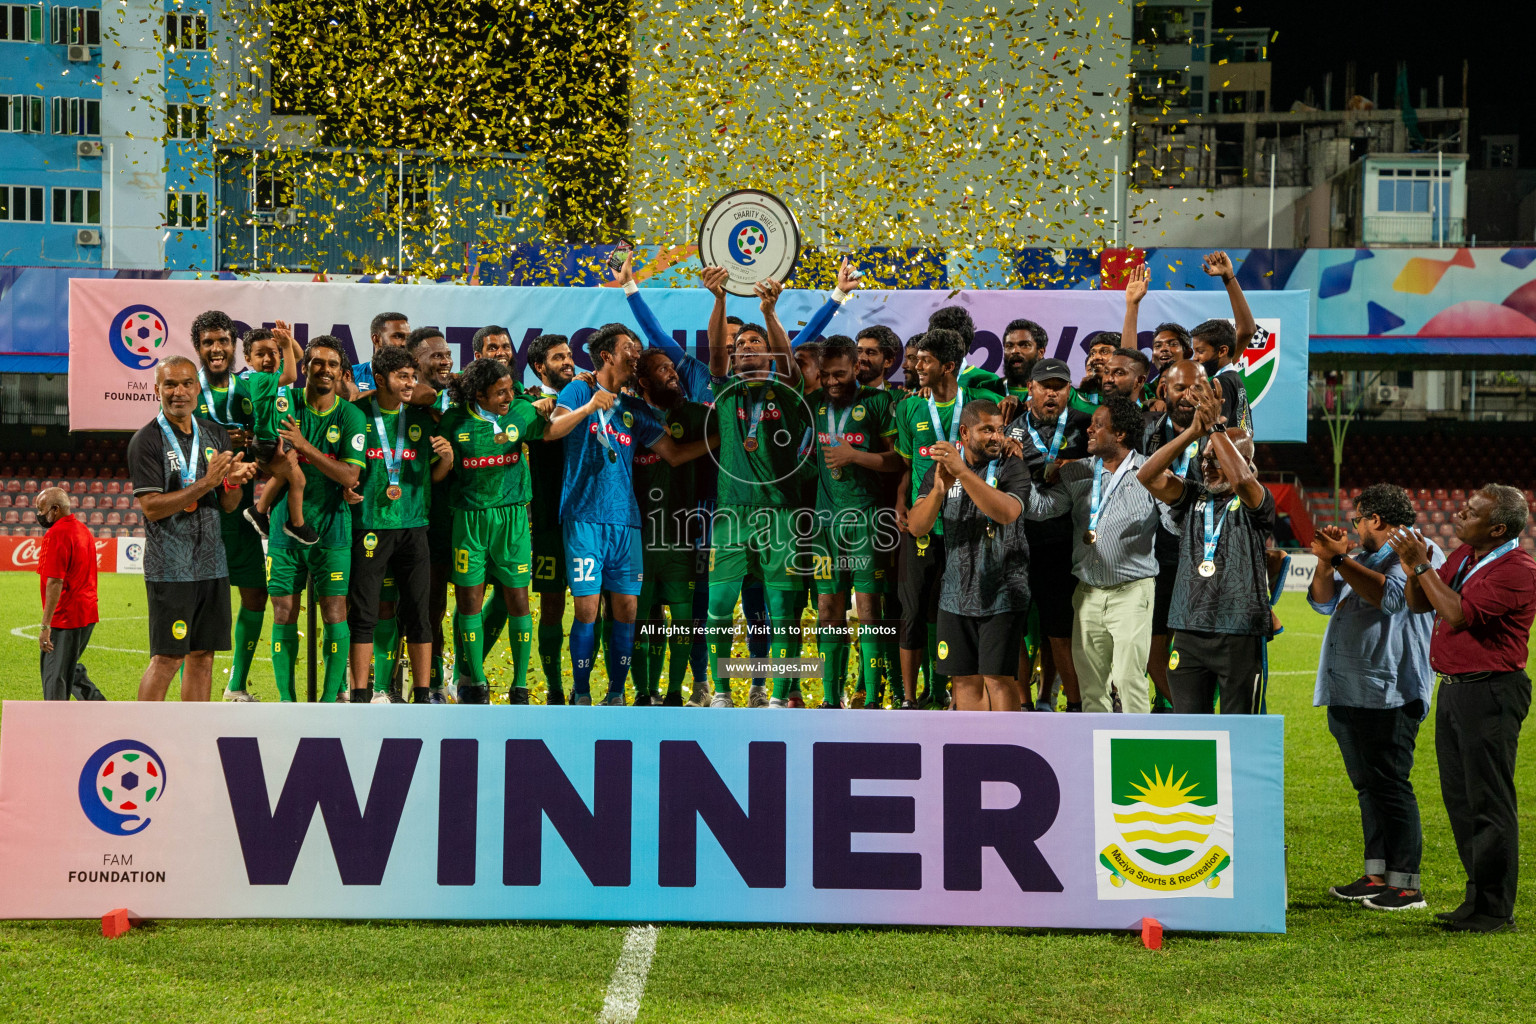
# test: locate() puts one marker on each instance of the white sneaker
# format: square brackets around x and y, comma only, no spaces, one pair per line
[778,702]
[757,697]
[344,696]
[721,700]
[700,698]
[241,697]
[381,697]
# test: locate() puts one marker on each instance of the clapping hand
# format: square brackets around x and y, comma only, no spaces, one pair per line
[1411,547]
[1329,541]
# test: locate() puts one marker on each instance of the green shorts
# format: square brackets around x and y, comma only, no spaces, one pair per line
[494,540]
[242,550]
[757,541]
[847,555]
[289,570]
[670,576]
[548,561]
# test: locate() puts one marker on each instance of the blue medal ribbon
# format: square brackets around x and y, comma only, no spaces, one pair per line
[173,449]
[392,455]
[1181,462]
[1468,569]
[227,420]
[938,426]
[1212,527]
[605,417]
[479,411]
[1098,496]
[1054,449]
[754,414]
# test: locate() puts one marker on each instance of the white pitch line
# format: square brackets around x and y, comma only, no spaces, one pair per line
[627,986]
[20,631]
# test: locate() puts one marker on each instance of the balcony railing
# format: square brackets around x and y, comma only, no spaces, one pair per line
[1412,229]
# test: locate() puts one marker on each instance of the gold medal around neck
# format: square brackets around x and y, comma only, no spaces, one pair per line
[393,492]
[1207,568]
[923,542]
[501,438]
[750,444]
[837,473]
[1090,536]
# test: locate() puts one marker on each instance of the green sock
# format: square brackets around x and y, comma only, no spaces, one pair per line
[247,635]
[869,662]
[834,671]
[521,640]
[658,659]
[471,653]
[436,677]
[639,669]
[386,637]
[494,616]
[719,629]
[551,644]
[285,651]
[783,617]
[336,644]
[681,648]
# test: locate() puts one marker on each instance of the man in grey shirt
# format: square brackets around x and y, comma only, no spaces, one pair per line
[980,490]
[1375,680]
[1115,523]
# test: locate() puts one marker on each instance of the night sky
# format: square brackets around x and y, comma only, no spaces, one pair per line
[1319,37]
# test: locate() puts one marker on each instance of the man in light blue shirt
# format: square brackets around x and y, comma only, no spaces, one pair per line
[1374,678]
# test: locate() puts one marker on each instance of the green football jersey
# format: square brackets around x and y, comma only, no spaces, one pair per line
[338,433]
[762,467]
[379,510]
[231,408]
[489,473]
[861,423]
[1084,401]
[665,493]
[269,406]
[915,434]
[974,376]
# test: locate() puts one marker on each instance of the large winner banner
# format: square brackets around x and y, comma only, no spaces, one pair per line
[962,818]
[119,330]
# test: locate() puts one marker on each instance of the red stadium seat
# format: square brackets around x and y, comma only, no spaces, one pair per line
[12,485]
[131,519]
[114,487]
[77,487]
[89,501]
[22,500]
[95,519]
[5,500]
[97,487]
[1458,495]
[121,501]
[1437,518]
[30,486]
[1441,494]
[114,519]
[11,516]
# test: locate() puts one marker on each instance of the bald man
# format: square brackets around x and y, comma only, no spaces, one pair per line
[183,473]
[67,576]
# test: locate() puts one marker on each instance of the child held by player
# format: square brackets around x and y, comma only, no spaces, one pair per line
[273,359]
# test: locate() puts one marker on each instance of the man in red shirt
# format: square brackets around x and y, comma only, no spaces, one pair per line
[1484,598]
[67,578]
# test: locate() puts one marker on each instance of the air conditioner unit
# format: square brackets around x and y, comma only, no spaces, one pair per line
[88,147]
[87,236]
[79,54]
[1386,393]
[287,218]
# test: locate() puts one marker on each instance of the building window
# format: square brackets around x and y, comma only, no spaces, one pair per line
[1407,191]
[186,31]
[186,121]
[21,23]
[21,114]
[415,190]
[21,202]
[77,206]
[75,26]
[503,209]
[186,210]
[275,190]
[73,115]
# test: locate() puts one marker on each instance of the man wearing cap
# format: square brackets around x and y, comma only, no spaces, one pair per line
[1049,434]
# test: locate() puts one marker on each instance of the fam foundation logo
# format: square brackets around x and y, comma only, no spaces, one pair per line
[1163,814]
[138,334]
[118,784]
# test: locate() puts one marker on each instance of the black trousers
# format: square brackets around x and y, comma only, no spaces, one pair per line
[1377,745]
[63,675]
[1212,663]
[1477,733]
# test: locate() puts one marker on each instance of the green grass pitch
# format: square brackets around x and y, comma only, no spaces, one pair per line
[1337,964]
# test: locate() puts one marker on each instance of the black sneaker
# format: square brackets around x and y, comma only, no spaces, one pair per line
[1481,924]
[1394,898]
[436,696]
[362,696]
[909,705]
[517,695]
[1361,888]
[395,698]
[303,533]
[829,704]
[1461,913]
[673,700]
[260,520]
[1076,708]
[554,697]
[470,693]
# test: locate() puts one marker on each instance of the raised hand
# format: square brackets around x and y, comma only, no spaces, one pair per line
[1217,264]
[1136,285]
[1411,547]
[1329,541]
[624,275]
[847,277]
[714,279]
[767,294]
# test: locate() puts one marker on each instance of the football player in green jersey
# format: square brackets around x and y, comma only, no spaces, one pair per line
[761,418]
[922,420]
[854,426]
[670,526]
[958,319]
[1024,344]
[488,430]
[879,349]
[403,456]
[549,356]
[225,399]
[326,436]
[434,366]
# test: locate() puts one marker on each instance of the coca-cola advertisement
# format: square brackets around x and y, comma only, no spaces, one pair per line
[113,554]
